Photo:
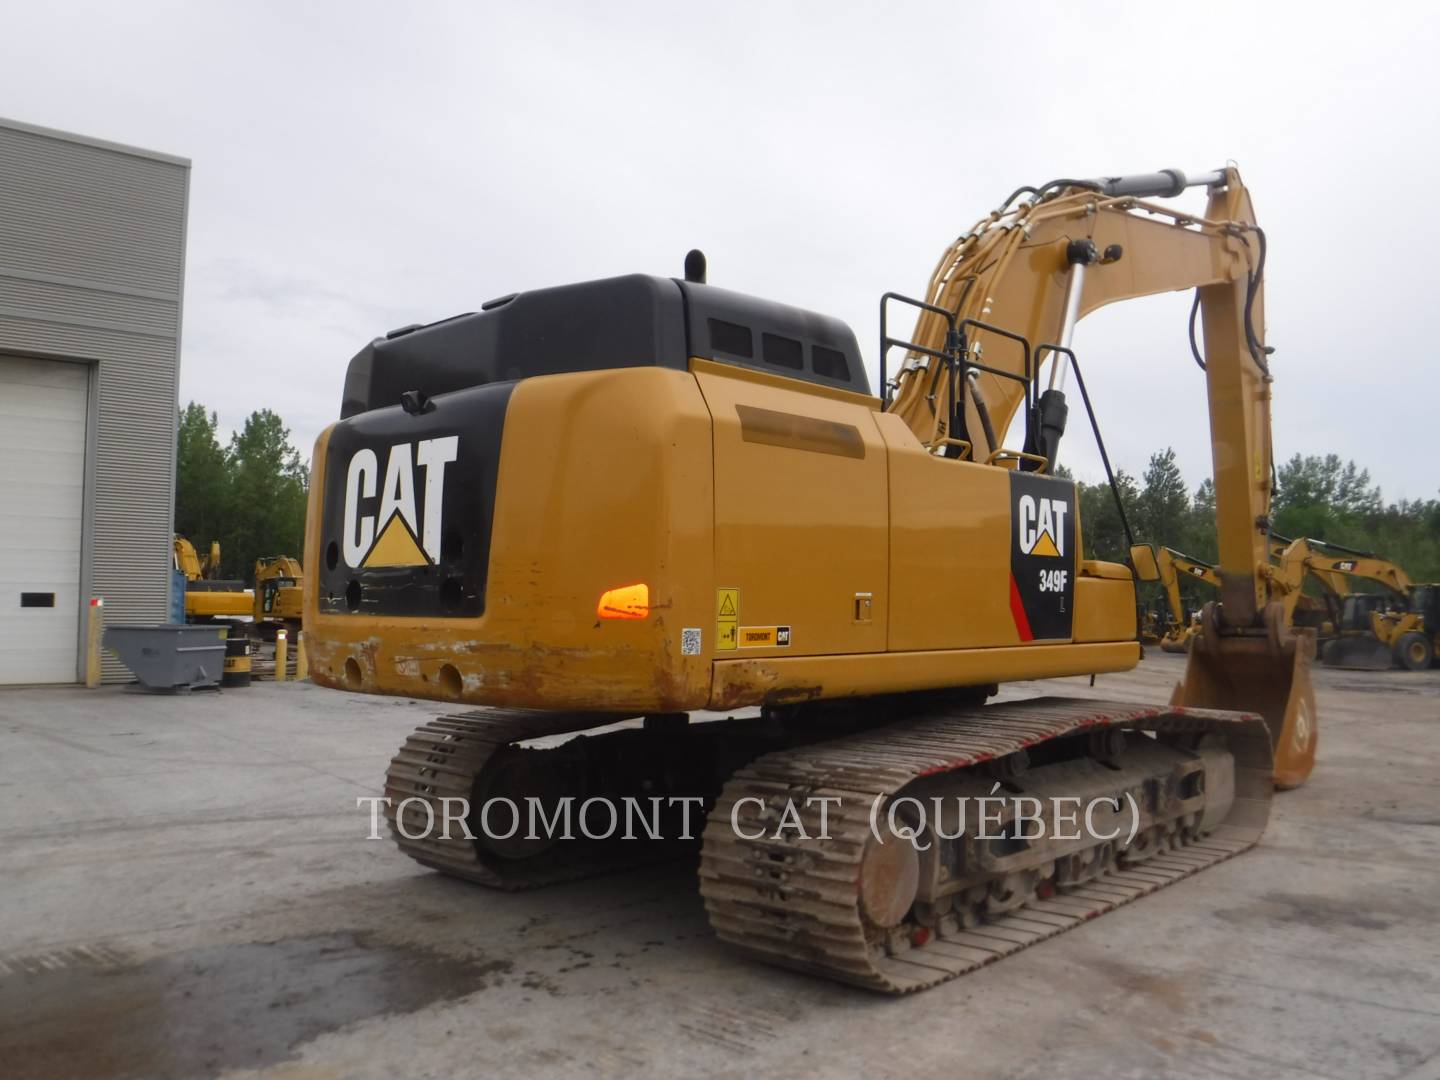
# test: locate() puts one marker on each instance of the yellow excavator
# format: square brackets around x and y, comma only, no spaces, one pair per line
[1318,612]
[1170,564]
[1376,630]
[276,599]
[188,561]
[600,509]
[1301,609]
[279,591]
[207,597]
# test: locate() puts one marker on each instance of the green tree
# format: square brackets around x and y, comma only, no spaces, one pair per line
[251,496]
[268,492]
[202,479]
[1200,530]
[1162,509]
[1323,497]
[1100,519]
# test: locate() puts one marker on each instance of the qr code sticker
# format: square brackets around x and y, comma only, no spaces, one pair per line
[690,641]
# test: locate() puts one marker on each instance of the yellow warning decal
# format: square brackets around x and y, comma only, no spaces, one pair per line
[765,637]
[396,546]
[727,618]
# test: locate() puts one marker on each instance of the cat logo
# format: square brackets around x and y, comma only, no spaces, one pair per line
[1042,556]
[1346,565]
[1197,571]
[1041,525]
[405,537]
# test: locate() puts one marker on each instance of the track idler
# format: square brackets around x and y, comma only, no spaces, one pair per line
[1262,671]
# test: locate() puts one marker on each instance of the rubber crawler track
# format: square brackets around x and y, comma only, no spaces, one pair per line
[796,902]
[441,759]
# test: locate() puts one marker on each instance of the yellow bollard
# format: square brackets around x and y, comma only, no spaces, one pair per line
[94,634]
[282,654]
[302,662]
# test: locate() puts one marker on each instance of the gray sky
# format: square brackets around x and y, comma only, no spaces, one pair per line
[362,166]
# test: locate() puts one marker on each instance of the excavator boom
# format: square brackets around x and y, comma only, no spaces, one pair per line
[1026,274]
[1333,566]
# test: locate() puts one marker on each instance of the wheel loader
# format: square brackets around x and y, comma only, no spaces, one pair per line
[1412,632]
[1380,631]
[610,511]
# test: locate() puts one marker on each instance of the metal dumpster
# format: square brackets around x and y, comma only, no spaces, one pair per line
[174,656]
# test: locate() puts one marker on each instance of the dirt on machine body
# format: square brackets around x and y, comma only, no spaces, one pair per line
[597,509]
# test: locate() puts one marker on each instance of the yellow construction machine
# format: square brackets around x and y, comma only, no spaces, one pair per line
[1400,625]
[188,562]
[276,600]
[1317,610]
[1411,632]
[601,508]
[279,591]
[207,597]
[1170,564]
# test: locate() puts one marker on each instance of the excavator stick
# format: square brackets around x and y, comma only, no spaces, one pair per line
[1261,672]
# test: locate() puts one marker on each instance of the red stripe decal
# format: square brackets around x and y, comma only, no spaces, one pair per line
[1017,611]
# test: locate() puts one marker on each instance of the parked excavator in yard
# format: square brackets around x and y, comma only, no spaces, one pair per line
[208,598]
[598,509]
[1170,564]
[279,591]
[275,600]
[1376,631]
[1319,613]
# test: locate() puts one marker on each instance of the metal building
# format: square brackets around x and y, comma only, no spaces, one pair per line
[92,256]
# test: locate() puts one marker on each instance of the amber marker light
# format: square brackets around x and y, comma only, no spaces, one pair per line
[629,602]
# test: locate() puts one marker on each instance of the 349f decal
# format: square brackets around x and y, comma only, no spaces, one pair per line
[1042,556]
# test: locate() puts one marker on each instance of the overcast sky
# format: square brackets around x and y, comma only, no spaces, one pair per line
[359,166]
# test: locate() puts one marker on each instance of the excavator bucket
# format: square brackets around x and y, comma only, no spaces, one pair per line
[1177,642]
[1265,673]
[1364,652]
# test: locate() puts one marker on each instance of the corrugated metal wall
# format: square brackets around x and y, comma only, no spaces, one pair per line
[92,262]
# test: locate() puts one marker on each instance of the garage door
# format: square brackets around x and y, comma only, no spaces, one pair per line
[42,494]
